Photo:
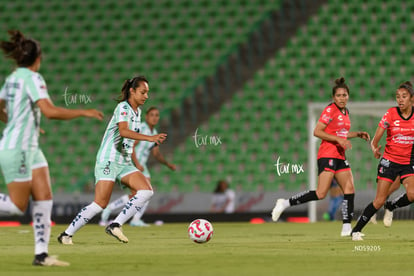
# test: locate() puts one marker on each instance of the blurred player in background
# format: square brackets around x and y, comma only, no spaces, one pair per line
[397,160]
[23,98]
[142,150]
[114,163]
[333,129]
[223,199]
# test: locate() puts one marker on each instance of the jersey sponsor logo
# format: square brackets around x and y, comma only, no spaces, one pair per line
[14,85]
[326,118]
[340,118]
[342,133]
[401,139]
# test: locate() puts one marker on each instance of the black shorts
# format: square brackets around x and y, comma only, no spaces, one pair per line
[334,165]
[389,171]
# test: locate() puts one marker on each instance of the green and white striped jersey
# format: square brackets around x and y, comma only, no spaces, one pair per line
[143,148]
[115,148]
[22,89]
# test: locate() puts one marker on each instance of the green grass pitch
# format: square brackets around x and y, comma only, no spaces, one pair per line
[235,249]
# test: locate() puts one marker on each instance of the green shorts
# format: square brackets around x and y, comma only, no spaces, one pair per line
[17,164]
[112,171]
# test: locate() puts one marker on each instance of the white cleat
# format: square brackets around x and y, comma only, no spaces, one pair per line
[279,208]
[114,229]
[346,230]
[357,236]
[388,218]
[65,239]
[50,261]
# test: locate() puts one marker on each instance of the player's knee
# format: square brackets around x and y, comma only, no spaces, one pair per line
[145,194]
[321,194]
[410,195]
[379,202]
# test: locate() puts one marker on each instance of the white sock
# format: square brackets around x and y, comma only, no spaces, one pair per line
[141,212]
[7,207]
[286,203]
[114,205]
[83,217]
[41,214]
[134,205]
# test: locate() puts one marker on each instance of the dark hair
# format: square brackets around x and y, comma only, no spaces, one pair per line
[340,83]
[23,50]
[407,86]
[151,109]
[218,189]
[131,83]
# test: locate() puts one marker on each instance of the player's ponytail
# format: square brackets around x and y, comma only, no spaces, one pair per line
[23,50]
[407,85]
[128,84]
[340,83]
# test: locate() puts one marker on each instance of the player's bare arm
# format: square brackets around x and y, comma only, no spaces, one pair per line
[3,113]
[55,112]
[125,132]
[360,134]
[376,149]
[160,158]
[319,132]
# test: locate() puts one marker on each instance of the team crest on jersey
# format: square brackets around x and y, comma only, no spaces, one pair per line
[124,113]
[107,170]
[340,118]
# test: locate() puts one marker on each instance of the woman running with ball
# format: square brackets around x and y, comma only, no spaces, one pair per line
[23,98]
[333,129]
[113,162]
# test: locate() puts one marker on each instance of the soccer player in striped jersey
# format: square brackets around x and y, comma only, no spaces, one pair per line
[114,163]
[333,129]
[142,150]
[398,158]
[23,98]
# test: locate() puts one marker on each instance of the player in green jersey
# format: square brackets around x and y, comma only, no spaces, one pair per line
[142,150]
[114,163]
[23,98]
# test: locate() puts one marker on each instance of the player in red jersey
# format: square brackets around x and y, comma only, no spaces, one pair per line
[333,129]
[397,160]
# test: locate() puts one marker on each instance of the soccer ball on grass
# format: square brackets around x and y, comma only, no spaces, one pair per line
[200,231]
